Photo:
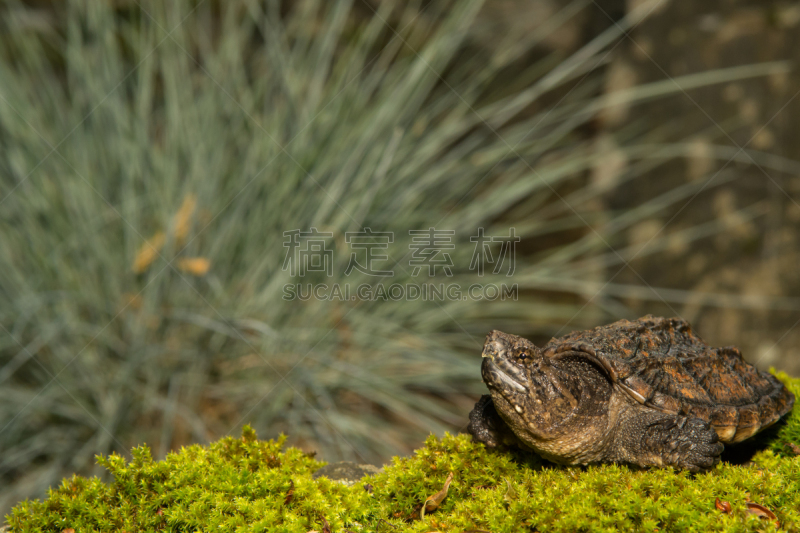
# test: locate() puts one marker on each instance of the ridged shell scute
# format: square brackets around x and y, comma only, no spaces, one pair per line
[661,363]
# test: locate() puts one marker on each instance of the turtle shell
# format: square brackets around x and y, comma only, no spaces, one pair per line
[661,364]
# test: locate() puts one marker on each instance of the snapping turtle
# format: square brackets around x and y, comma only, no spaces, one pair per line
[647,392]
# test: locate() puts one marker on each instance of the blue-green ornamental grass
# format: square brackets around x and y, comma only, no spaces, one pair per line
[248,485]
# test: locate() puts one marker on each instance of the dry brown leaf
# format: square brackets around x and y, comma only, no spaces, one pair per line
[326,527]
[148,252]
[290,494]
[196,266]
[181,221]
[794,447]
[183,217]
[68,530]
[722,505]
[762,512]
[433,502]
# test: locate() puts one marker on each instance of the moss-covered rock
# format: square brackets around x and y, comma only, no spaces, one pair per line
[247,485]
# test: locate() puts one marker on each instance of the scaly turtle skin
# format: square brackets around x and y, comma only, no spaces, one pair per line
[647,392]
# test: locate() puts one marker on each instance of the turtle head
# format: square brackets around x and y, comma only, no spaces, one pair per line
[533,396]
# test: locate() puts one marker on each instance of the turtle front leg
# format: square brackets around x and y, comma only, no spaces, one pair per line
[649,438]
[486,426]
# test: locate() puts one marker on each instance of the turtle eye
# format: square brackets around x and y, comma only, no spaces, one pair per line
[523,356]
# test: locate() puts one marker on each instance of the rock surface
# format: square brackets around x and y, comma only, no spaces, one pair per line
[346,472]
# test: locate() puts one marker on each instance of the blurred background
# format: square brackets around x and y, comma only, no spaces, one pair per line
[152,155]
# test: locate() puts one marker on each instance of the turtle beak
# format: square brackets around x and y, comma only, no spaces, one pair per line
[498,368]
[498,373]
[493,347]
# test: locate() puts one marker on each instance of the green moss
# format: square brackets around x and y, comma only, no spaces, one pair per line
[246,485]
